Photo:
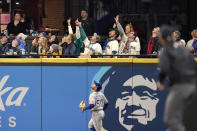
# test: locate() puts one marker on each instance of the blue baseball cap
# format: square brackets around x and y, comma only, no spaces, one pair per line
[44,34]
[98,85]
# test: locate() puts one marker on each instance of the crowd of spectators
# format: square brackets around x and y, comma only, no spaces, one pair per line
[84,42]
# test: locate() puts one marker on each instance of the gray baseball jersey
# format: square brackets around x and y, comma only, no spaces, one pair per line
[99,100]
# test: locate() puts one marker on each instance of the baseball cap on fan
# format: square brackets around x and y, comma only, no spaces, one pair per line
[22,36]
[44,34]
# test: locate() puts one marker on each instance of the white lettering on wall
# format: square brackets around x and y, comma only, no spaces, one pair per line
[12,121]
[12,92]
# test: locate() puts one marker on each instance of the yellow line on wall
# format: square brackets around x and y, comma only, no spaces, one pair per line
[77,60]
[64,60]
[110,60]
[20,60]
[143,60]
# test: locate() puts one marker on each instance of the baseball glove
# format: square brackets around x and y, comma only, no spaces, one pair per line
[82,105]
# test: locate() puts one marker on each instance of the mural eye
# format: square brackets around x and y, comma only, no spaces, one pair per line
[126,98]
[144,98]
[146,95]
[125,95]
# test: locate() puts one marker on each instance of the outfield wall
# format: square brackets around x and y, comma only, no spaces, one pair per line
[44,94]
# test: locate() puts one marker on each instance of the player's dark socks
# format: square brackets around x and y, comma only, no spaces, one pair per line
[92,129]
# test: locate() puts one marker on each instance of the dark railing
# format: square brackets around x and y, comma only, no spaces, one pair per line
[76,56]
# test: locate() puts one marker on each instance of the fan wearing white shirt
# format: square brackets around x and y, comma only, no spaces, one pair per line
[92,47]
[111,46]
[130,43]
[132,46]
[176,35]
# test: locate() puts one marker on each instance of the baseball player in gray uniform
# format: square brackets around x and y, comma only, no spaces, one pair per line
[97,104]
[176,63]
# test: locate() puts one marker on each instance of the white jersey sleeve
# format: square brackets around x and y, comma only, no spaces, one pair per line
[70,30]
[92,99]
[138,48]
[78,34]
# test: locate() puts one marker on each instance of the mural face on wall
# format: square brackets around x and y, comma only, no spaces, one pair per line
[135,104]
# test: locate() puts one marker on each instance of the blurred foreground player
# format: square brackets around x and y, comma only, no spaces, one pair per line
[97,103]
[178,65]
